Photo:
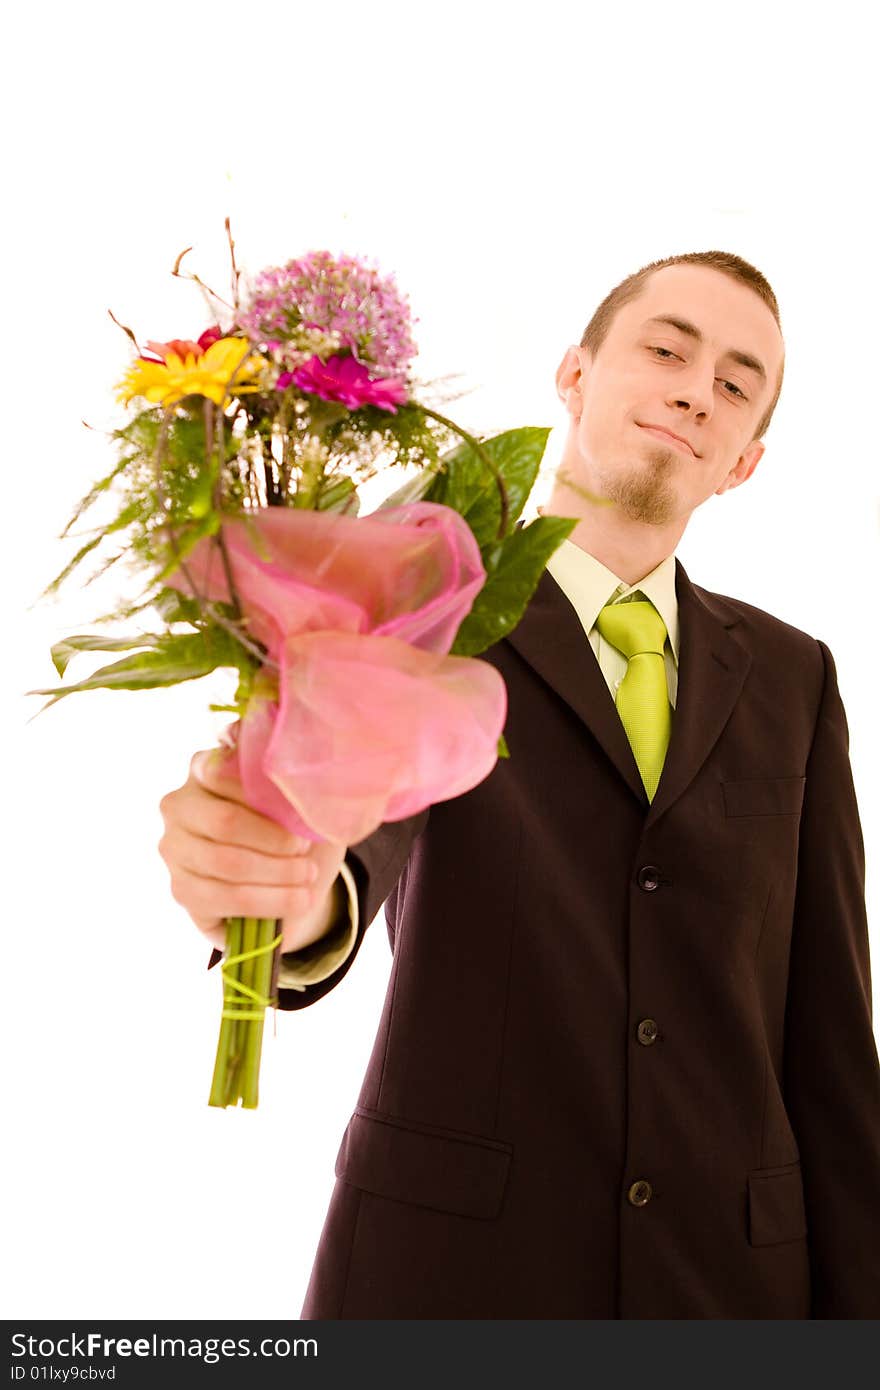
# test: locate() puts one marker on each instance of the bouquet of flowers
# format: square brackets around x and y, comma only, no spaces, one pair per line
[359,699]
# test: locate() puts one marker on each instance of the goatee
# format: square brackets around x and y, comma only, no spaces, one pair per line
[644,492]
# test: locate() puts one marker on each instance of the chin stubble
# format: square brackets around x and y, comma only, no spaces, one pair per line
[644,492]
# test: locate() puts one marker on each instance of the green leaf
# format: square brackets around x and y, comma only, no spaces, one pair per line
[80,555]
[173,659]
[94,493]
[339,495]
[104,567]
[471,489]
[503,750]
[125,518]
[175,607]
[167,602]
[503,598]
[185,540]
[64,650]
[201,500]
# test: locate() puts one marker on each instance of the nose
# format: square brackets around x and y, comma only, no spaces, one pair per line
[693,391]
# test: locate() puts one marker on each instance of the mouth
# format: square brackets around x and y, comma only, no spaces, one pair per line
[670,438]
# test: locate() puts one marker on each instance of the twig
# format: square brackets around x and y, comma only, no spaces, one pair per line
[191,275]
[235,271]
[125,330]
[254,648]
[482,454]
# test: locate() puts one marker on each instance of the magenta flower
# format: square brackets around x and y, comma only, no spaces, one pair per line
[345,379]
[373,719]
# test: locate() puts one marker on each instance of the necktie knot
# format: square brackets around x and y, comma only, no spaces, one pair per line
[632,628]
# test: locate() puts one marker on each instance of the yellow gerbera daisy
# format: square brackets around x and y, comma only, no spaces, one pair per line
[208,374]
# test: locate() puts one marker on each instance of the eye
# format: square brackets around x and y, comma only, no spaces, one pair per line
[733,386]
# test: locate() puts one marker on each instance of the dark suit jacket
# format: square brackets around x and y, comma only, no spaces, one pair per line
[625,1066]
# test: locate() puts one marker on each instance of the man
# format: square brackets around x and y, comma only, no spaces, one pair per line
[625,1066]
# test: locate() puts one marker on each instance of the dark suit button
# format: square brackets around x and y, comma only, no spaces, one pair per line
[649,877]
[639,1193]
[647,1031]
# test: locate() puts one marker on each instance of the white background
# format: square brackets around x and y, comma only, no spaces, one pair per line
[509,165]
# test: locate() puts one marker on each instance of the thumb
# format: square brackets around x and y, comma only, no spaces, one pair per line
[214,766]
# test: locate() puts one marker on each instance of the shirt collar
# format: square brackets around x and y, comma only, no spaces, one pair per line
[589,585]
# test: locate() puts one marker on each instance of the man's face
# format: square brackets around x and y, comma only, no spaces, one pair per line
[650,373]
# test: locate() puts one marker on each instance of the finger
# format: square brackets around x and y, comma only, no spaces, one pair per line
[230,823]
[214,929]
[207,858]
[216,770]
[214,817]
[210,898]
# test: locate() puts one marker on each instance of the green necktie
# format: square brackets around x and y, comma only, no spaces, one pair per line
[637,630]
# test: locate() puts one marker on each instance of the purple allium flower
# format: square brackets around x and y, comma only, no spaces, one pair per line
[336,294]
[347,380]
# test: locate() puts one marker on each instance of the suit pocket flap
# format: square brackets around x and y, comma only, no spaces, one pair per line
[776,1205]
[764,796]
[423,1164]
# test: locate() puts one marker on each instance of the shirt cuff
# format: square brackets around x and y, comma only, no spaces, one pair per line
[299,969]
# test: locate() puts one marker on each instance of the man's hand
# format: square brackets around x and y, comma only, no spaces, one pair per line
[226,860]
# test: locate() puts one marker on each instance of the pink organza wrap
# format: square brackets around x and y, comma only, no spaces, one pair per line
[374,721]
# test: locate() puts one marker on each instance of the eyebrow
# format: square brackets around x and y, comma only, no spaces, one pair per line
[745,359]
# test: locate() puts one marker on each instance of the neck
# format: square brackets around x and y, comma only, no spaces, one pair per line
[630,549]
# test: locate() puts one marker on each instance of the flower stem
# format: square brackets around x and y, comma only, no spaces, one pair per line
[246,1004]
[483,455]
[224,1064]
[266,931]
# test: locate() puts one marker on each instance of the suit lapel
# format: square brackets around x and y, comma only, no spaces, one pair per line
[711,671]
[551,639]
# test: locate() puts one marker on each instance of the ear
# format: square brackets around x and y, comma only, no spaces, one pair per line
[569,379]
[743,468]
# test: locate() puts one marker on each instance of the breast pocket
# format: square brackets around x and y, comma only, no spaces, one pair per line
[764,796]
[447,1170]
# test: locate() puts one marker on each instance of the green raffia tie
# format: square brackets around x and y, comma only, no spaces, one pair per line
[232,986]
[637,630]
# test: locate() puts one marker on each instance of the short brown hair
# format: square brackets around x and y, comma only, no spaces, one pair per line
[596,330]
